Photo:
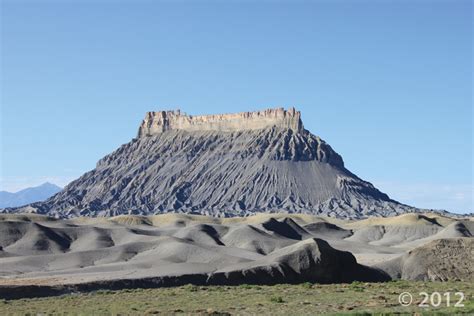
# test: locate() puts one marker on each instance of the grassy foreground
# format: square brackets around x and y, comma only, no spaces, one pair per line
[303,299]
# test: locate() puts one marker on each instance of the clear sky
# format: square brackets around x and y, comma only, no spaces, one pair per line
[388,84]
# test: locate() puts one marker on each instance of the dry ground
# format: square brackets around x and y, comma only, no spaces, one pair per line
[304,299]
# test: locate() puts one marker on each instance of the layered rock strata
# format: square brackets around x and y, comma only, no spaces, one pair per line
[159,122]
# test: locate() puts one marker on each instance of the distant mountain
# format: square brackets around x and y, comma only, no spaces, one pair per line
[221,165]
[28,195]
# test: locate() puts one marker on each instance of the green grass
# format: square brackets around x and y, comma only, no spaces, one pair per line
[305,299]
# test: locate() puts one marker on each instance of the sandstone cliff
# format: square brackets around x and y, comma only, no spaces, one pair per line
[162,121]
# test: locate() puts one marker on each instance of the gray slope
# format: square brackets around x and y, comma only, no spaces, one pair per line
[70,252]
[310,260]
[98,252]
[221,174]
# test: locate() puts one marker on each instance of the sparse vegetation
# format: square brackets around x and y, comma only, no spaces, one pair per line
[357,286]
[303,299]
[276,299]
[191,288]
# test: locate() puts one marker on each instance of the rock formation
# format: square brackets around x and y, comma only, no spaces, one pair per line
[221,165]
[440,260]
[162,121]
[310,260]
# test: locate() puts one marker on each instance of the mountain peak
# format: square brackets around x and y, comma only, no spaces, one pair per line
[28,195]
[49,184]
[162,121]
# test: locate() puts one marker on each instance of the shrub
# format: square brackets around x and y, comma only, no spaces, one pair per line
[357,286]
[276,299]
[191,288]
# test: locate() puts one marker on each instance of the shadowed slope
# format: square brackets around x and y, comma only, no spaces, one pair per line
[327,230]
[311,260]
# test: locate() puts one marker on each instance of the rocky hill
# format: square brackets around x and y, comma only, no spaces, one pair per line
[221,165]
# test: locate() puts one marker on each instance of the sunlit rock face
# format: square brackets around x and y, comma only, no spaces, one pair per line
[162,121]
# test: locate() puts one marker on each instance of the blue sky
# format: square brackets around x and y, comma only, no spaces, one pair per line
[387,83]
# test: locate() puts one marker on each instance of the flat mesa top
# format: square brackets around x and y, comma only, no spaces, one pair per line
[162,121]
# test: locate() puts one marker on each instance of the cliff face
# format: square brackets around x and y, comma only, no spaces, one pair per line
[162,121]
